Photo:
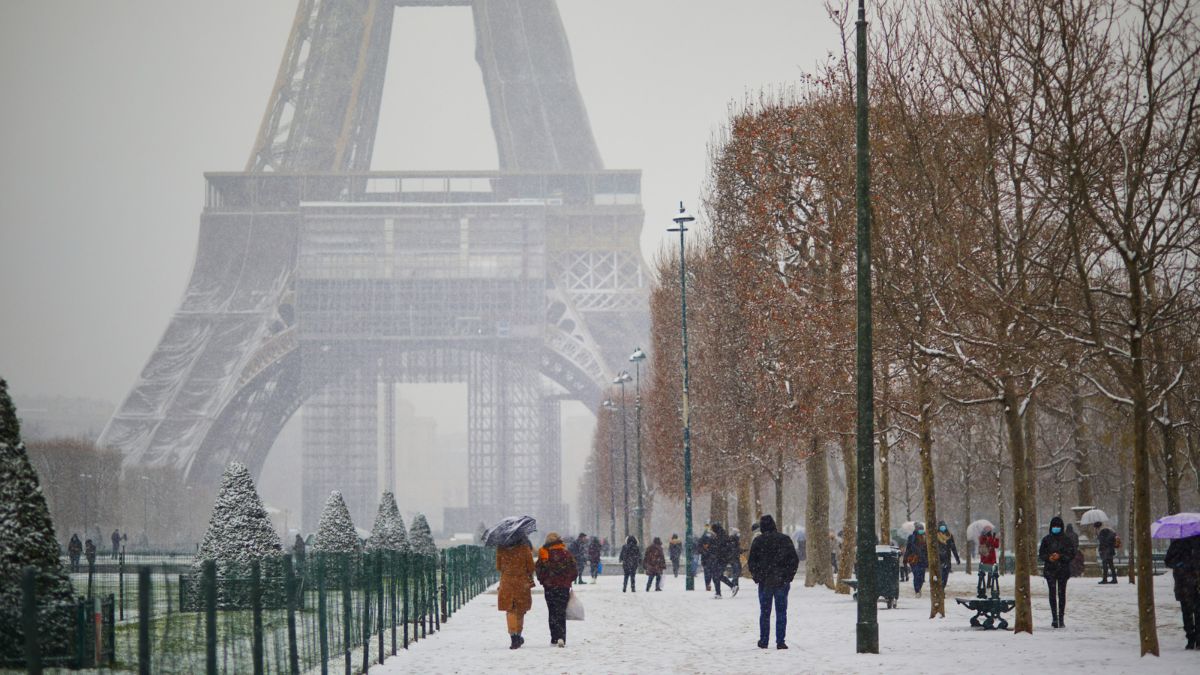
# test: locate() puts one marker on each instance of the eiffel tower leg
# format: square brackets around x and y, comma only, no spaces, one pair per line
[339,442]
[504,426]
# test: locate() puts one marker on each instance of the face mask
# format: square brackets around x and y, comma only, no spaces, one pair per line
[920,531]
[942,528]
[1056,530]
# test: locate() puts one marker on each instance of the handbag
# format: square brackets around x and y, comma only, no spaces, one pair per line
[574,608]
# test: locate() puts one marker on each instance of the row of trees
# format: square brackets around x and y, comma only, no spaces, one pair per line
[1035,211]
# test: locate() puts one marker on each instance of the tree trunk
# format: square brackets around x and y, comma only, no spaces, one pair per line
[718,508]
[846,554]
[967,541]
[937,594]
[1030,427]
[1170,462]
[1147,631]
[885,492]
[816,519]
[1000,531]
[1083,464]
[778,491]
[1023,621]
[743,509]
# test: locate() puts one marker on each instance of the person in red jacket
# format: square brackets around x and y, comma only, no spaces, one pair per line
[556,572]
[989,546]
[654,562]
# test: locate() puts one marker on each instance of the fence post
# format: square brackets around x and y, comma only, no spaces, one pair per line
[144,618]
[379,599]
[404,595]
[29,620]
[322,616]
[347,613]
[256,636]
[209,589]
[393,578]
[363,566]
[289,590]
[442,591]
[121,585]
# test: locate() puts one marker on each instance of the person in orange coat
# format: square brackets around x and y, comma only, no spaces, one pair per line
[515,564]
[556,569]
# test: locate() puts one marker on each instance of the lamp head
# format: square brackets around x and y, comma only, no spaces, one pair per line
[638,355]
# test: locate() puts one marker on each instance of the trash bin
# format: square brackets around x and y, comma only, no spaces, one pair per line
[887,573]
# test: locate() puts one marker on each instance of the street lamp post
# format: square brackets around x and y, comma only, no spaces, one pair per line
[867,633]
[637,357]
[612,480]
[621,378]
[681,220]
[84,492]
[145,507]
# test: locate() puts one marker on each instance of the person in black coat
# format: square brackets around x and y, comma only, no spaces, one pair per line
[1183,557]
[631,557]
[1056,552]
[722,552]
[74,550]
[1106,549]
[772,562]
[578,550]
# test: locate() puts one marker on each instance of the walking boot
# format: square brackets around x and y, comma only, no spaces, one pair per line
[1191,643]
[516,641]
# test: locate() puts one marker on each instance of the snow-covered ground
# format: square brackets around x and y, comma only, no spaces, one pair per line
[679,632]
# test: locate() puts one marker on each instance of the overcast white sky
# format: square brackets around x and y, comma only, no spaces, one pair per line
[112,110]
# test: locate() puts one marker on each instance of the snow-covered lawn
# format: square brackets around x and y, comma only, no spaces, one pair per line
[679,632]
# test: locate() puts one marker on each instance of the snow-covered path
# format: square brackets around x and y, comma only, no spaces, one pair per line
[678,632]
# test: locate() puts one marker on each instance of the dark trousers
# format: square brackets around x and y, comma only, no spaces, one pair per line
[779,596]
[675,566]
[918,576]
[1058,596]
[1106,566]
[1191,617]
[720,578]
[579,573]
[708,578]
[630,581]
[655,579]
[595,569]
[556,607]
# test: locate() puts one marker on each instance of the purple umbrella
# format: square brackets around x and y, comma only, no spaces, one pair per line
[1177,526]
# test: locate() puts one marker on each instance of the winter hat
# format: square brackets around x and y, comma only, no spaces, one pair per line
[658,541]
[1056,522]
[631,540]
[766,523]
[552,538]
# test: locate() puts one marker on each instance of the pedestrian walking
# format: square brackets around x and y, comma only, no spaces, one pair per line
[1107,544]
[631,557]
[1056,552]
[720,553]
[772,562]
[74,550]
[593,554]
[945,548]
[654,563]
[116,544]
[1183,557]
[556,570]
[578,551]
[675,550]
[515,564]
[989,545]
[917,556]
[735,561]
[705,551]
[89,552]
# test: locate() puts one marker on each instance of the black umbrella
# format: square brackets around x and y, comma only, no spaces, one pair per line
[509,531]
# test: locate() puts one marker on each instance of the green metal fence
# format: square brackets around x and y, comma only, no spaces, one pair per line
[333,612]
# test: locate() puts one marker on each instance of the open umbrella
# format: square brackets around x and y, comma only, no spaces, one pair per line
[977,527]
[907,528]
[1178,526]
[1093,516]
[799,535]
[509,531]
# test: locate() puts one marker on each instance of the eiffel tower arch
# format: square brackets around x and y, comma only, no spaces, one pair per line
[322,284]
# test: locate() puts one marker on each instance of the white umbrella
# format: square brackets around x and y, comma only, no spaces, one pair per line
[907,528]
[977,527]
[799,535]
[1093,516]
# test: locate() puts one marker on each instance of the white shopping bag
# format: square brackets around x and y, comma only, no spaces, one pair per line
[574,608]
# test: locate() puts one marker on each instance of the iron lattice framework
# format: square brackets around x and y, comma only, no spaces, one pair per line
[320,283]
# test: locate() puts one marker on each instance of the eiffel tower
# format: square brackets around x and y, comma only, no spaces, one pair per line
[323,284]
